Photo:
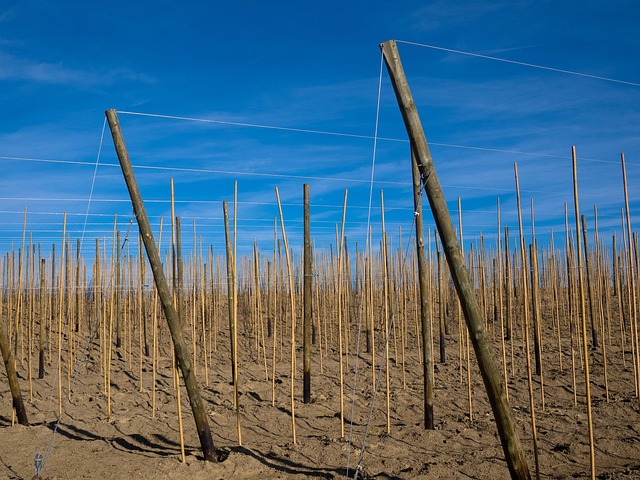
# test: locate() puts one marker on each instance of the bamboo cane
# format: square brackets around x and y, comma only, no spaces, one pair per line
[372,326]
[203,315]
[583,316]
[633,306]
[497,268]
[178,305]
[535,300]
[154,367]
[387,311]
[259,305]
[30,320]
[293,318]
[194,284]
[62,298]
[525,310]
[339,311]
[275,316]
[403,305]
[235,310]
[626,268]
[463,332]
[19,307]
[230,294]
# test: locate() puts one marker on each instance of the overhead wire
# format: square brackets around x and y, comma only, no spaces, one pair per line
[522,64]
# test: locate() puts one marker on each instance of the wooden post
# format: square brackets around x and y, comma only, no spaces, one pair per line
[511,445]
[14,386]
[425,317]
[43,321]
[308,289]
[180,346]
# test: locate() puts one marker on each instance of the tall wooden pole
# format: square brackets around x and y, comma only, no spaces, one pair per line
[180,346]
[14,386]
[514,453]
[308,289]
[43,317]
[425,317]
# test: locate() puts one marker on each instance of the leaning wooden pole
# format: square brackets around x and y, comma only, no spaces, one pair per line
[14,386]
[514,453]
[425,315]
[180,346]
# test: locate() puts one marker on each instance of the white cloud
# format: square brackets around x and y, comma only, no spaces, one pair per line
[22,69]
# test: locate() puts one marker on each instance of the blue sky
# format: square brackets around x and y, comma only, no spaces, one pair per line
[313,66]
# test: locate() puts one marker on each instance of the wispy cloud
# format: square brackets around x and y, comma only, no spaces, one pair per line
[6,15]
[24,69]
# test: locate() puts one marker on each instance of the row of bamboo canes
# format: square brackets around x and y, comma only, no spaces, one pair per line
[51,303]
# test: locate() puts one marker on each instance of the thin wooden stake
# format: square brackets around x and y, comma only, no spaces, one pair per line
[387,311]
[293,318]
[525,309]
[307,299]
[633,305]
[583,316]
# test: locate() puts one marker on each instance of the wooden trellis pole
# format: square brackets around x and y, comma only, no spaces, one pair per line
[43,317]
[14,386]
[180,346]
[514,453]
[425,316]
[307,308]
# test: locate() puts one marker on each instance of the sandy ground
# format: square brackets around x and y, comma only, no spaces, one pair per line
[132,444]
